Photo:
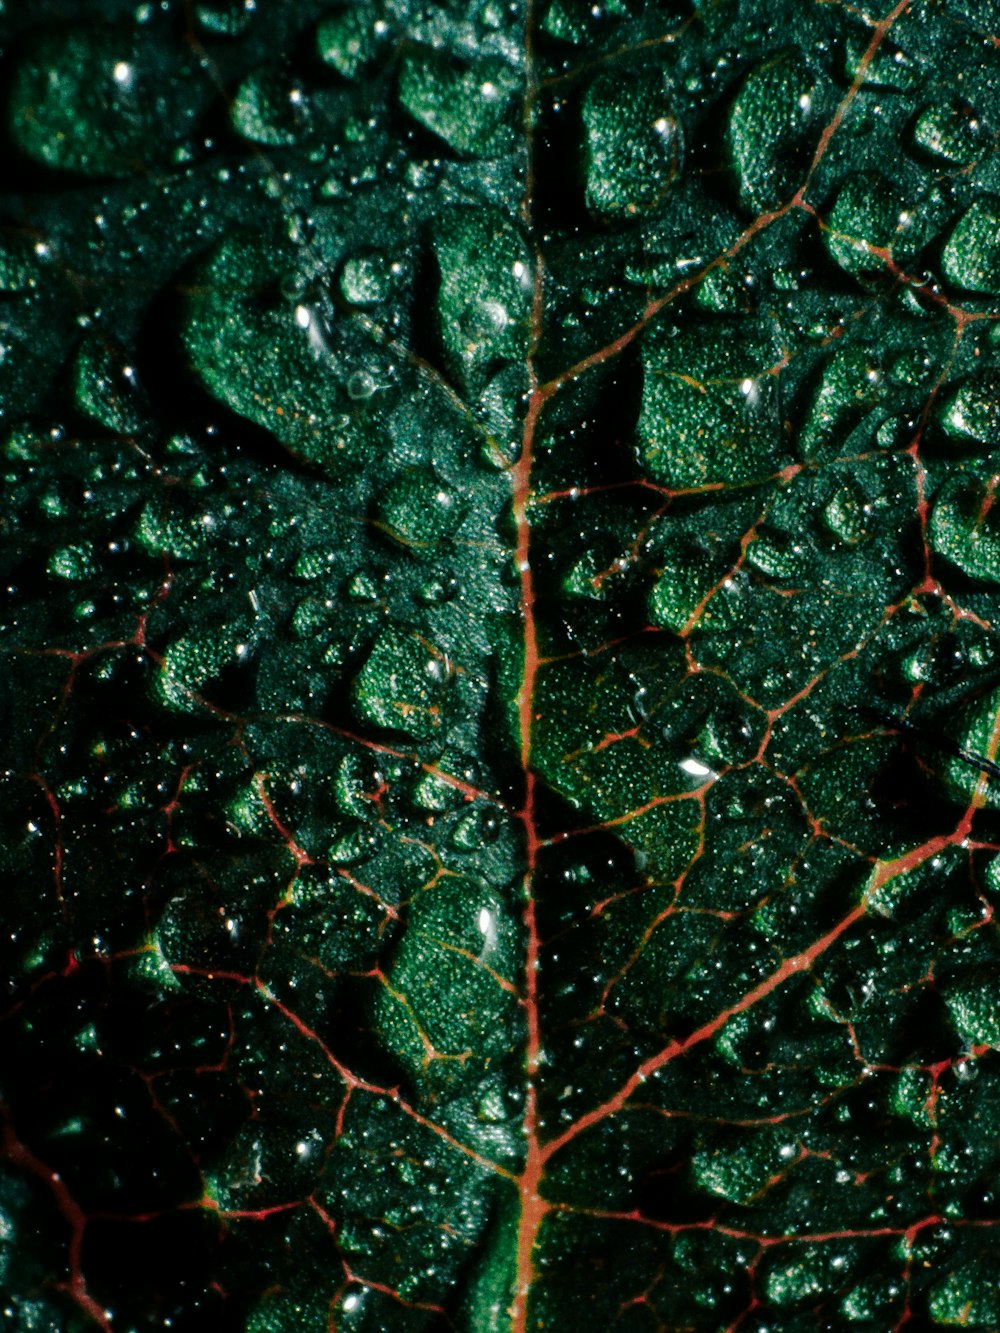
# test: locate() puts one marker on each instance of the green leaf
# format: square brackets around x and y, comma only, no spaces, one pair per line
[500,666]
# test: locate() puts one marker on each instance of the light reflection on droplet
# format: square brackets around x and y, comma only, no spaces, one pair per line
[694,767]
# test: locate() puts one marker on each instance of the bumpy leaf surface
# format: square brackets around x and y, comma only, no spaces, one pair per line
[500,666]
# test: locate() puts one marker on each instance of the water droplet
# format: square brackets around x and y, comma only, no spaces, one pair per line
[418,511]
[971,259]
[437,590]
[951,131]
[349,40]
[366,279]
[483,320]
[771,125]
[225,18]
[360,386]
[268,109]
[695,768]
[101,101]
[463,105]
[633,144]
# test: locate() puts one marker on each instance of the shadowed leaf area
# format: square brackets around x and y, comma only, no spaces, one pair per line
[499,666]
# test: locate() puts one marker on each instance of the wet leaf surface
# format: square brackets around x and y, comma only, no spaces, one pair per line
[501,678]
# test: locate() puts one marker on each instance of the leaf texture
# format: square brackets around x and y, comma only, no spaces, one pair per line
[500,666]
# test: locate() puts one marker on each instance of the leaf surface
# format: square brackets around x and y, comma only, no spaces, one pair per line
[501,678]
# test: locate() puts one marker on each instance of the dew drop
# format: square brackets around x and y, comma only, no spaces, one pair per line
[360,386]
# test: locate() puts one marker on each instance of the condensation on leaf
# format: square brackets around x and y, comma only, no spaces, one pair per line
[971,414]
[971,258]
[103,101]
[485,293]
[963,529]
[350,39]
[269,109]
[709,409]
[634,144]
[466,107]
[769,127]
[448,1007]
[403,685]
[951,131]
[864,224]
